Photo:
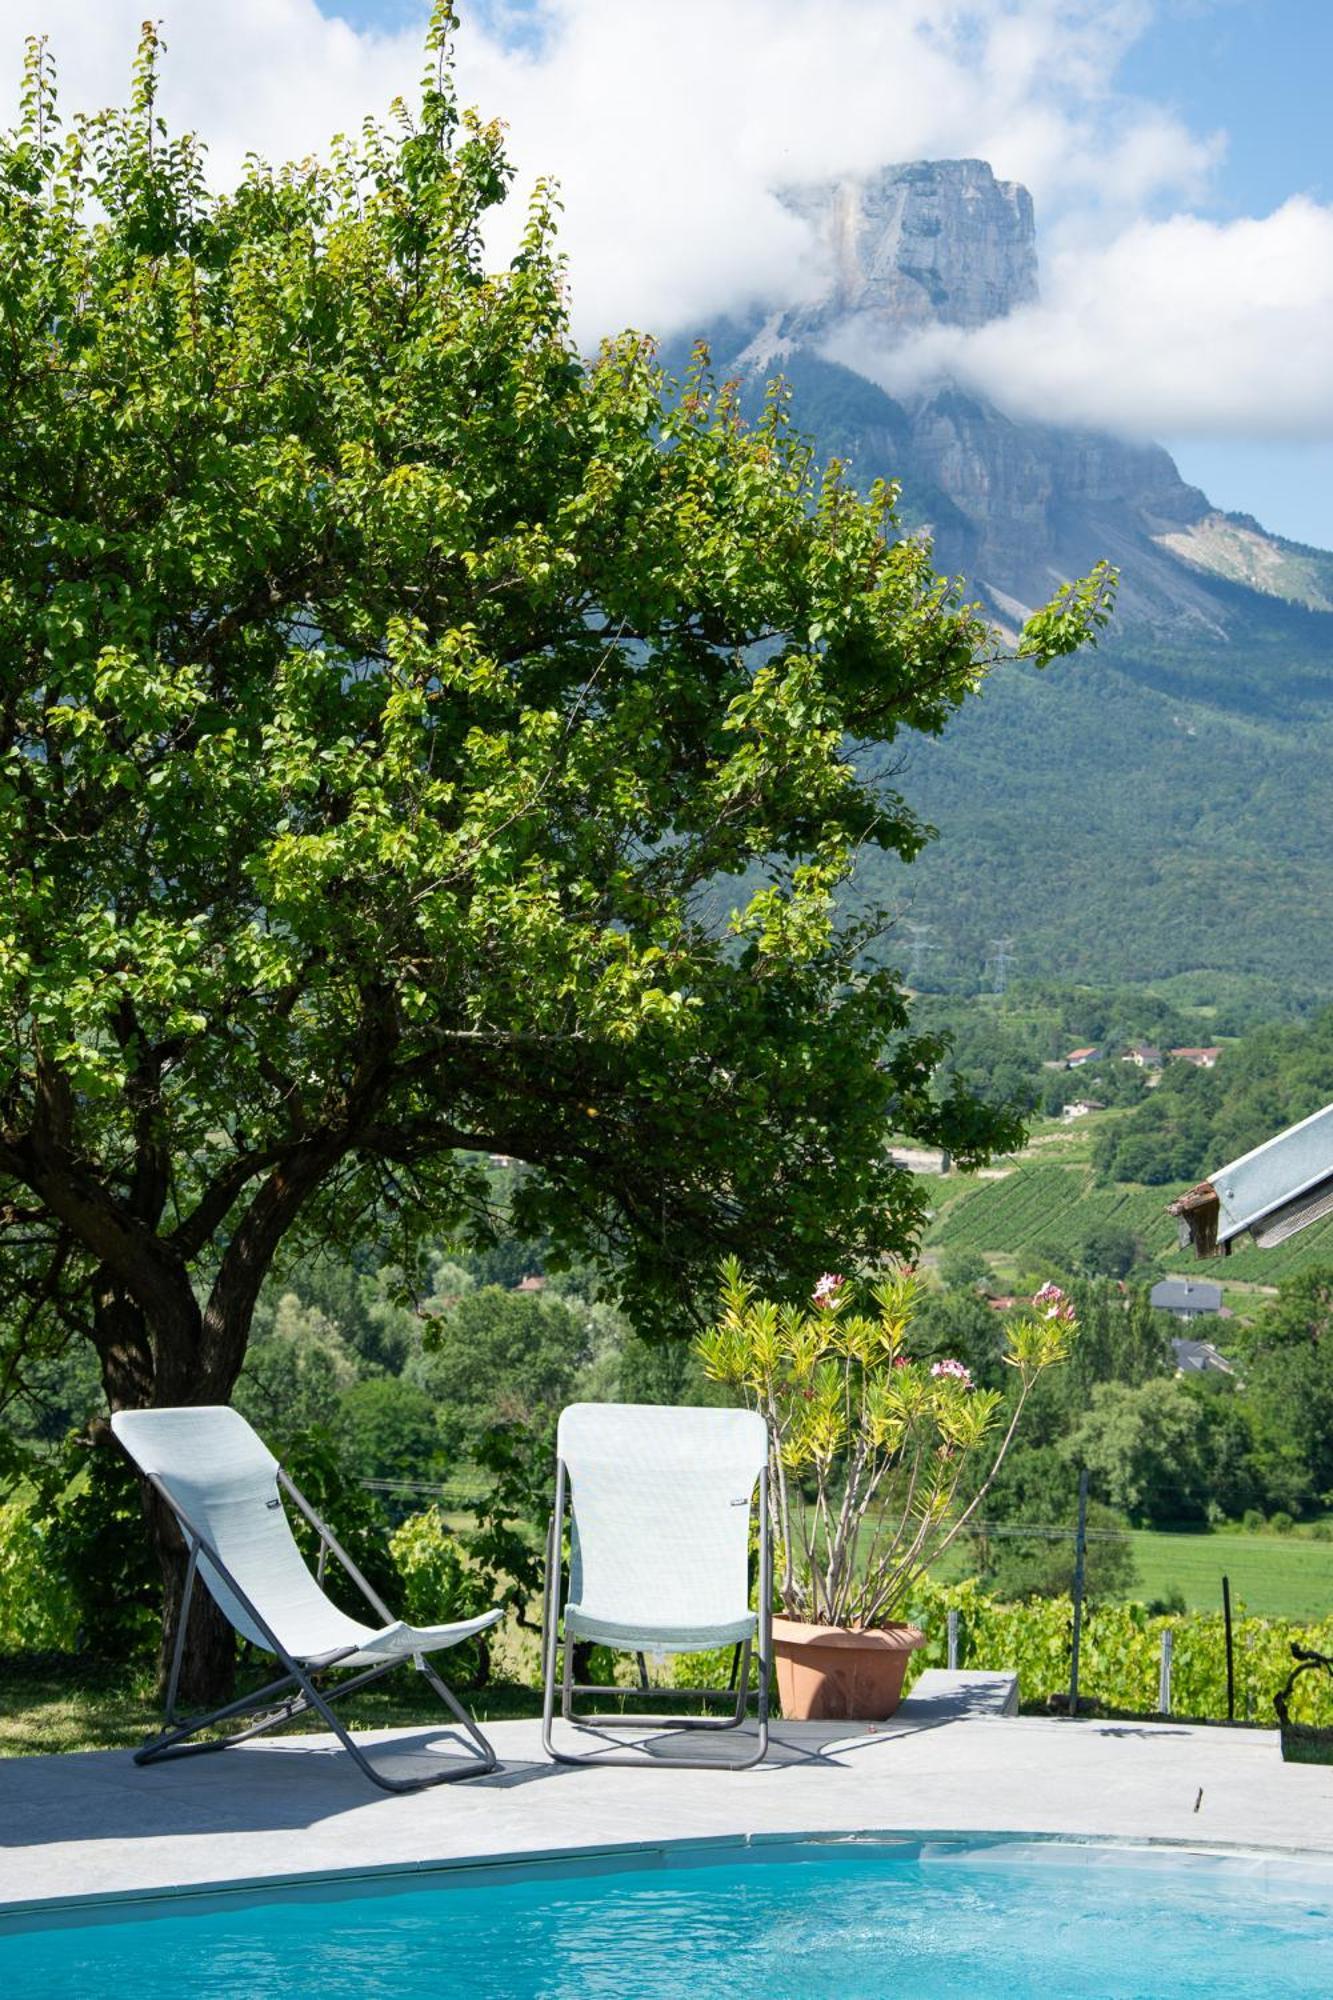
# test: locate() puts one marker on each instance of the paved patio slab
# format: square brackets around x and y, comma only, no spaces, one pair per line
[76,1826]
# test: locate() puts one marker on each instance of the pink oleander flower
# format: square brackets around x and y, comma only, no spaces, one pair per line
[1055,1304]
[828,1289]
[901,1361]
[954,1370]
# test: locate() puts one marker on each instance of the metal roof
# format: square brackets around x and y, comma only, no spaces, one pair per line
[1273,1191]
[1185,1295]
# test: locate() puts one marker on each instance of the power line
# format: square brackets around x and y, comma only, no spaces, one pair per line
[917,947]
[999,962]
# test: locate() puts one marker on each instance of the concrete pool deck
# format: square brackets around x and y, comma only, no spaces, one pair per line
[93,1824]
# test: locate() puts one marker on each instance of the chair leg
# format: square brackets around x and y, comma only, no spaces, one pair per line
[174,1739]
[469,1722]
[735,1720]
[566,1680]
[182,1620]
[551,1609]
[306,1698]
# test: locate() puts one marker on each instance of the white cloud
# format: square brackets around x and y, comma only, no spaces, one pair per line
[669,128]
[276,77]
[1182,326]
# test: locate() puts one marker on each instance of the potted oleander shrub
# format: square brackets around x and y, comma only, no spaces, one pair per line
[873,1466]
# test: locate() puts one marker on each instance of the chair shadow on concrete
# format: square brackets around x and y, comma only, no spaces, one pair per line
[287,1784]
[296,1782]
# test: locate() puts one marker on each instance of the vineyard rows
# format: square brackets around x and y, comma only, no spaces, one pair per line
[1053,1208]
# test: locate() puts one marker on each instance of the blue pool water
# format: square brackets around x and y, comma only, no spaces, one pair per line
[795,1922]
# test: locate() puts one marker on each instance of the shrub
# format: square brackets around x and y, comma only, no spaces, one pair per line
[1121,1652]
[37,1608]
[438,1585]
[1281,1522]
[96,1543]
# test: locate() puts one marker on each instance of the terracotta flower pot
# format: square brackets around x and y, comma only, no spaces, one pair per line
[829,1673]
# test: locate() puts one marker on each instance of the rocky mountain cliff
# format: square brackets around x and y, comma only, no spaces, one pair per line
[940,242]
[1015,506]
[1157,810]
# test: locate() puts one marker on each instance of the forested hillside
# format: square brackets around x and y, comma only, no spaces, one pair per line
[1145,811]
[1157,807]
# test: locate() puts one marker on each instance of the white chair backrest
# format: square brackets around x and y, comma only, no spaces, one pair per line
[660,1510]
[222,1480]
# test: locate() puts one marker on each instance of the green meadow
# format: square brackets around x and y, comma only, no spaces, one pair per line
[1272,1576]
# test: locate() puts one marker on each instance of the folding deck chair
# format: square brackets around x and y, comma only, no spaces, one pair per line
[659,1502]
[225,1488]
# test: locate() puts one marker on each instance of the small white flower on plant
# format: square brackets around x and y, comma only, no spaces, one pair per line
[828,1289]
[953,1369]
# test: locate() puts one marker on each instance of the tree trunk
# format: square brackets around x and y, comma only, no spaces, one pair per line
[158,1350]
[138,1373]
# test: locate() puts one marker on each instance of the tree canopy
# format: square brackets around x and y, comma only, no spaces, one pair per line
[419,742]
[384,689]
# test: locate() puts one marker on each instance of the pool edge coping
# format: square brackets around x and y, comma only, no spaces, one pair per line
[616,1857]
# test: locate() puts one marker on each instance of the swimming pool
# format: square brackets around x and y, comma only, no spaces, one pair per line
[790,1920]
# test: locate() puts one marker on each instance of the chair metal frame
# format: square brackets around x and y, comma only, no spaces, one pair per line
[302,1695]
[558,1646]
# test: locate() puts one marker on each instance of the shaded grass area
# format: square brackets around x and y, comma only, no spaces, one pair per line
[57,1703]
[1272,1576]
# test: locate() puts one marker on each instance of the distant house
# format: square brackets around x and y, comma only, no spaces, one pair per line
[1001,1302]
[1201,1058]
[1143,1055]
[1081,1106]
[1077,1057]
[1186,1298]
[1199,1357]
[531,1284]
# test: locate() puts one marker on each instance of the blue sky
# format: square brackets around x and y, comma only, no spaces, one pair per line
[1262,70]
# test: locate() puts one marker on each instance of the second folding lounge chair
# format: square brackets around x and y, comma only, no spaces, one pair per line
[659,1509]
[225,1488]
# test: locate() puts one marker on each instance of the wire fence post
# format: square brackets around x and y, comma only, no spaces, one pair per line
[1164,1677]
[1080,1551]
[1231,1665]
[953,1642]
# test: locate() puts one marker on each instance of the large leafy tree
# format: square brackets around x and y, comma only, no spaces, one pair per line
[1285,1360]
[394,707]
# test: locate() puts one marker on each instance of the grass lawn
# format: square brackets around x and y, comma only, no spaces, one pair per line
[1273,1576]
[65,1704]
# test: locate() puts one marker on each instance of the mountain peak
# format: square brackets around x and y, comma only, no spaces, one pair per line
[926,243]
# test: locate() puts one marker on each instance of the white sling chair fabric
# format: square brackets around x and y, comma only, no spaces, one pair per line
[222,1481]
[660,1503]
